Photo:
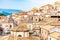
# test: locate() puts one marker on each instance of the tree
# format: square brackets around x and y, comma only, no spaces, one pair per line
[2,14]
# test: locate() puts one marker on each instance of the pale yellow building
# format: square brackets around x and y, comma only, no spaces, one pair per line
[57,5]
[54,36]
[45,31]
[46,8]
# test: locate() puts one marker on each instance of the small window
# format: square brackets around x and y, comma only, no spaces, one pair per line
[39,19]
[50,38]
[36,19]
[10,26]
[19,35]
[41,9]
[59,19]
[58,11]
[58,16]
[36,10]
[54,17]
[52,7]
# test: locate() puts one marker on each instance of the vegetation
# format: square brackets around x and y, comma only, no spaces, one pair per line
[2,14]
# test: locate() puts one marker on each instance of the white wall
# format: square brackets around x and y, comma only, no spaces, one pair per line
[51,38]
[23,34]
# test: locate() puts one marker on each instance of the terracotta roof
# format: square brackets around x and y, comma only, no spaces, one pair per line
[22,13]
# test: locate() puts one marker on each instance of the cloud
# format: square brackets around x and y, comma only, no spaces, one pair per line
[24,4]
[39,3]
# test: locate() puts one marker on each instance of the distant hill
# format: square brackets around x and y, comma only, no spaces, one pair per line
[9,11]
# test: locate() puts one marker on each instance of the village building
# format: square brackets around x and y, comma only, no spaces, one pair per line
[3,19]
[22,31]
[43,23]
[45,31]
[54,36]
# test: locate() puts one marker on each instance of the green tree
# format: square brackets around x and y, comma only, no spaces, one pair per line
[2,14]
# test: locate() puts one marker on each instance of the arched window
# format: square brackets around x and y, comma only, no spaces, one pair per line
[39,19]
[19,35]
[10,26]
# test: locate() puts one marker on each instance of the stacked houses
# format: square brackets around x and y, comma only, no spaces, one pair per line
[43,22]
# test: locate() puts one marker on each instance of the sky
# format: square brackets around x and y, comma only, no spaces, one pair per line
[24,4]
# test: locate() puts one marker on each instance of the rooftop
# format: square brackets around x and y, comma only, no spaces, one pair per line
[47,27]
[55,35]
[57,3]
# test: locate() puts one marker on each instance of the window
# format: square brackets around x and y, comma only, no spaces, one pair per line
[19,35]
[10,26]
[39,19]
[41,9]
[50,38]
[55,16]
[58,16]
[58,11]
[36,19]
[59,19]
